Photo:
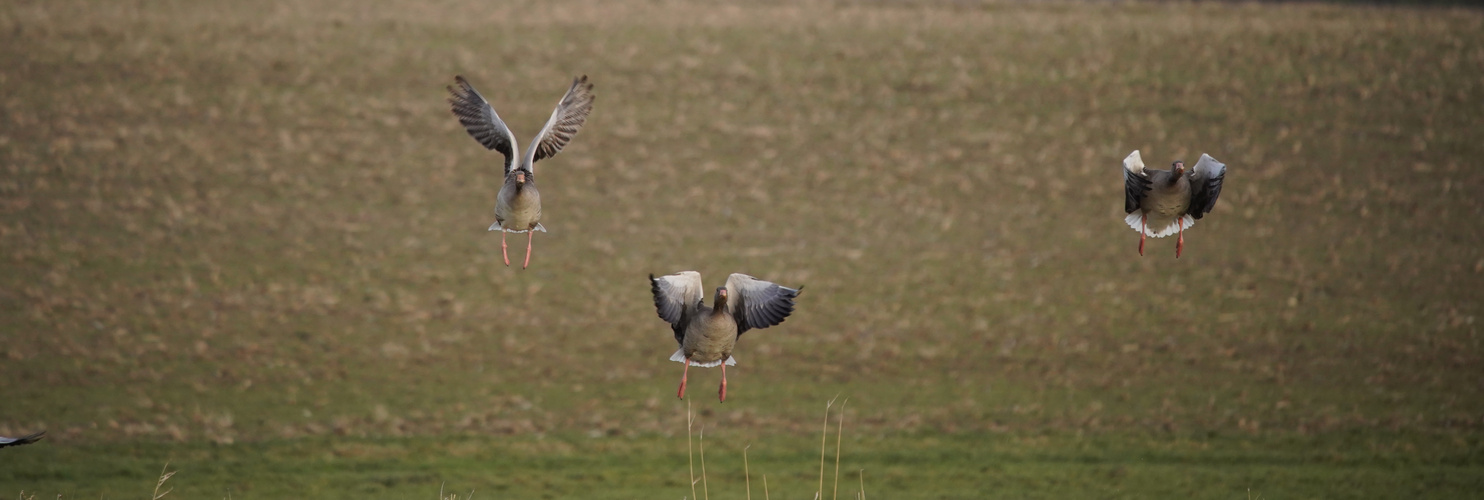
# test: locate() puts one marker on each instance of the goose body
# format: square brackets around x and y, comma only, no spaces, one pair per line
[707,334]
[708,338]
[518,206]
[1160,203]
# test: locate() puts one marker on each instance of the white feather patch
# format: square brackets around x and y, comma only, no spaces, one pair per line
[1154,229]
[1134,163]
[679,357]
[496,226]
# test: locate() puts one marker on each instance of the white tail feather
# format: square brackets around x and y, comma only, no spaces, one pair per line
[1158,228]
[496,227]
[679,357]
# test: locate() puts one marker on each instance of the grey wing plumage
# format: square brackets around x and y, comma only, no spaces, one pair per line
[480,120]
[676,296]
[1135,182]
[5,441]
[1205,185]
[565,121]
[759,304]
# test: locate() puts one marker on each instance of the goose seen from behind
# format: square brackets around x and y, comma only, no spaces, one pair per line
[707,334]
[518,206]
[1160,203]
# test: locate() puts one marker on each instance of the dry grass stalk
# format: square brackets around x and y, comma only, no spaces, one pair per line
[824,435]
[452,496]
[164,476]
[839,429]
[765,487]
[705,490]
[690,419]
[747,472]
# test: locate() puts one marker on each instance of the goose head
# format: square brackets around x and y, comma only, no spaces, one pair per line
[720,302]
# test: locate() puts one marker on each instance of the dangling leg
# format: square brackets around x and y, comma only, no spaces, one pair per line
[529,234]
[1180,243]
[723,391]
[683,375]
[505,252]
[1143,221]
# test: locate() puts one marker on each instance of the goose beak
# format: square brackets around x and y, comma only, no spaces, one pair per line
[520,177]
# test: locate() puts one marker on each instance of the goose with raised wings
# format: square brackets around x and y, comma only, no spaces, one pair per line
[1160,203]
[707,334]
[518,206]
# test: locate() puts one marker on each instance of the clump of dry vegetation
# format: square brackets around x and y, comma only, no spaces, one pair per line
[747,468]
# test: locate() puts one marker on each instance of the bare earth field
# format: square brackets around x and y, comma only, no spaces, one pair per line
[248,239]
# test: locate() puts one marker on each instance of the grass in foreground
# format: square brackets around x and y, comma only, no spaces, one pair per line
[901,465]
[924,465]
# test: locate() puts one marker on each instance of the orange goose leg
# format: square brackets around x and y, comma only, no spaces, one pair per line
[1143,222]
[529,234]
[683,375]
[505,252]
[1180,243]
[723,391]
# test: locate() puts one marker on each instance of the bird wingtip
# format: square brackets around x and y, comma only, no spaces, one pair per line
[1133,162]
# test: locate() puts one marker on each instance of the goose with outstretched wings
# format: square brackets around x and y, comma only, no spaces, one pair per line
[1160,203]
[518,206]
[707,334]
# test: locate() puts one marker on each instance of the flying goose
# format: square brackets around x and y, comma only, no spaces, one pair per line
[518,207]
[707,334]
[1164,202]
[5,441]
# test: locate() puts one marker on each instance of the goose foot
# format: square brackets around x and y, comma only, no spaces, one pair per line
[504,250]
[1143,221]
[529,234]
[681,393]
[723,391]
[1180,243]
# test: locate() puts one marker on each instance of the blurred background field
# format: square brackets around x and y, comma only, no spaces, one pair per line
[249,239]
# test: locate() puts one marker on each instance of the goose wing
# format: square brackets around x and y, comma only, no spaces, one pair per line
[1135,182]
[5,441]
[758,304]
[1205,185]
[480,120]
[676,298]
[565,120]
